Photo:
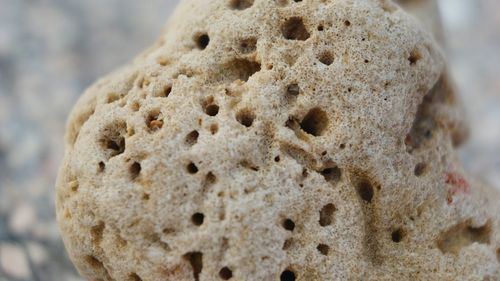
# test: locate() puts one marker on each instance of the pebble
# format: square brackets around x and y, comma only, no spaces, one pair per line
[22,219]
[13,261]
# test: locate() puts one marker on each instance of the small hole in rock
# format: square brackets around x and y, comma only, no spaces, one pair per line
[113,140]
[225,273]
[315,122]
[245,117]
[202,40]
[293,90]
[163,61]
[93,262]
[197,219]
[420,169]
[287,244]
[191,168]
[96,232]
[240,4]
[289,225]
[414,57]
[210,178]
[153,121]
[332,174]
[365,191]
[239,69]
[212,109]
[73,185]
[135,277]
[135,106]
[145,197]
[342,146]
[192,138]
[320,28]
[196,261]
[326,58]
[214,128]
[113,97]
[248,45]
[165,92]
[294,29]
[347,23]
[287,275]
[277,158]
[326,215]
[397,235]
[135,170]
[323,249]
[101,167]
[118,146]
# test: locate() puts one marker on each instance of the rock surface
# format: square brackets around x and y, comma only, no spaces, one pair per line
[276,140]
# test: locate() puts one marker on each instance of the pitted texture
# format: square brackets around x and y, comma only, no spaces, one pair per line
[276,140]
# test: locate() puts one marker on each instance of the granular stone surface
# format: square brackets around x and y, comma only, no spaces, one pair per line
[276,140]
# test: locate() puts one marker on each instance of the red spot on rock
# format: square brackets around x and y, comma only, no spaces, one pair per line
[459,185]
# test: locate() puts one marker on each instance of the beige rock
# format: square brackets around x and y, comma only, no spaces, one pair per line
[276,140]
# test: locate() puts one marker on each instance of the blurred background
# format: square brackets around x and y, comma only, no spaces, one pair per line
[51,50]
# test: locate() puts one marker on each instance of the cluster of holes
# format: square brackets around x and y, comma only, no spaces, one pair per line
[294,29]
[315,122]
[245,117]
[202,40]
[240,4]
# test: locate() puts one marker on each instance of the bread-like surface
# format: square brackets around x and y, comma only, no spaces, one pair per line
[276,140]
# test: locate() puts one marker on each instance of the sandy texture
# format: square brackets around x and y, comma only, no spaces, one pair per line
[268,140]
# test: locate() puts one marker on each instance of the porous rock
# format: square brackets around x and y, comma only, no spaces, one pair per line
[276,140]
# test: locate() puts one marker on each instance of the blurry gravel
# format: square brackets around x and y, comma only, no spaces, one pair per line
[51,50]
